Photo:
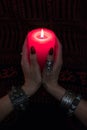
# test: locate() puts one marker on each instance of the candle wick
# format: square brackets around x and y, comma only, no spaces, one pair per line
[41,37]
[42,34]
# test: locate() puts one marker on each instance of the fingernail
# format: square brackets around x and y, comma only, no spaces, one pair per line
[51,51]
[32,50]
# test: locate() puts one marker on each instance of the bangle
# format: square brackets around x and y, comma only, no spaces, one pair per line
[69,102]
[18,98]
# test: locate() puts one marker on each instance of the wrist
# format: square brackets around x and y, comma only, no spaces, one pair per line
[30,89]
[60,92]
[69,102]
[26,90]
[57,91]
[19,98]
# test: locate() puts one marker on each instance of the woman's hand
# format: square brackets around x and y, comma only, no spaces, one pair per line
[51,73]
[31,70]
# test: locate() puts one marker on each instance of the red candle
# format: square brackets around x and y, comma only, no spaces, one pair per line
[42,40]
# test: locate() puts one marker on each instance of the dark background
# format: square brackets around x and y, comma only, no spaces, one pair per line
[68,19]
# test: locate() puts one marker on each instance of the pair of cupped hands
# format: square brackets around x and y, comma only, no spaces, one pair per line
[32,74]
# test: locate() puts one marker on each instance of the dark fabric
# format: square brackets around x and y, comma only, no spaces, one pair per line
[42,116]
[67,18]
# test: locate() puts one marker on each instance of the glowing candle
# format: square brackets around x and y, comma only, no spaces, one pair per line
[42,40]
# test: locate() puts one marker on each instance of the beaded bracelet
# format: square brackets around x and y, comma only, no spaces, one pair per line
[69,102]
[18,98]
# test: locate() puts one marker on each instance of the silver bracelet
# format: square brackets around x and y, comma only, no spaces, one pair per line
[18,98]
[69,102]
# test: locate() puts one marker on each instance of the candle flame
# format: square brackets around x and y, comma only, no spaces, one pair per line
[42,33]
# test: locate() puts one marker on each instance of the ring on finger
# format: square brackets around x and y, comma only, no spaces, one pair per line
[49,65]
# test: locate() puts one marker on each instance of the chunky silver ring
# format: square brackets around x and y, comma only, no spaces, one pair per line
[49,65]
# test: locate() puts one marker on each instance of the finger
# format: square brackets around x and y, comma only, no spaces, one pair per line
[49,61]
[33,57]
[59,60]
[50,55]
[25,59]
